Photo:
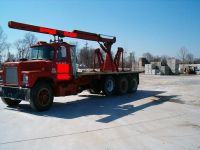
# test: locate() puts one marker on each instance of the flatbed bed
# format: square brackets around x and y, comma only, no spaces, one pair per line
[106,73]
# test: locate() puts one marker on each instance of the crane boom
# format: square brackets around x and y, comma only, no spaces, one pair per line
[74,34]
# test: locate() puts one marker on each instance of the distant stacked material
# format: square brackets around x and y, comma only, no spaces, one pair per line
[165,70]
[173,65]
[158,64]
[151,69]
[148,68]
[155,71]
[142,62]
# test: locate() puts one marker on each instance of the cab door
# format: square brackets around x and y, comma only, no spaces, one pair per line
[63,63]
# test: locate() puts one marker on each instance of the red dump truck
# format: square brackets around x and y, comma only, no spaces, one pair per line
[51,70]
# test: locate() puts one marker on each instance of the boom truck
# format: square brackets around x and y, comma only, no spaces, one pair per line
[51,71]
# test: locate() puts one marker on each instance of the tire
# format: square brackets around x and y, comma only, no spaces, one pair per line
[122,85]
[41,97]
[10,102]
[108,86]
[133,85]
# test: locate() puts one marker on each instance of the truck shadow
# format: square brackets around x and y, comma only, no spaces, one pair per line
[114,107]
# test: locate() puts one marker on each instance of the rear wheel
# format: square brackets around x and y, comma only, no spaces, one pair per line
[122,85]
[133,85]
[10,102]
[108,87]
[41,97]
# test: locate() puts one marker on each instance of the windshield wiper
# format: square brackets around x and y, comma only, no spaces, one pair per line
[36,58]
[23,59]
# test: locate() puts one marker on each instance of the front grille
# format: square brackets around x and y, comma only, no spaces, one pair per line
[11,75]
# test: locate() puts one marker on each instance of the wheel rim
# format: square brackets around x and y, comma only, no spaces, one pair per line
[109,85]
[43,97]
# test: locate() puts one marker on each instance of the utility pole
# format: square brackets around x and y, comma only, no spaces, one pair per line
[87,54]
[131,61]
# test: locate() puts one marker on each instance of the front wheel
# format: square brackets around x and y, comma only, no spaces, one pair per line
[41,97]
[10,102]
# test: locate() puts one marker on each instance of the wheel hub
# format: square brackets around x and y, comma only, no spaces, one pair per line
[109,85]
[44,97]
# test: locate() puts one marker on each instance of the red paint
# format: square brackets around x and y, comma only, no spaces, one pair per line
[49,31]
[63,76]
[70,34]
[62,68]
[108,64]
[62,72]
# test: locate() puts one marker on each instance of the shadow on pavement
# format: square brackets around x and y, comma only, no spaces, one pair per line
[114,107]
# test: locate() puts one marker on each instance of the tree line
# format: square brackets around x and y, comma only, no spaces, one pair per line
[183,55]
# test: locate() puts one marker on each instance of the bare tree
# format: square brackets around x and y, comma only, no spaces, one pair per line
[21,48]
[9,56]
[86,56]
[156,58]
[148,56]
[23,45]
[182,54]
[29,40]
[3,38]
[164,59]
[8,45]
[190,58]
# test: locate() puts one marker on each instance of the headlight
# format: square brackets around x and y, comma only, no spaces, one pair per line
[25,79]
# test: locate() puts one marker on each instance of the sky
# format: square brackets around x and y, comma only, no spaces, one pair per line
[160,27]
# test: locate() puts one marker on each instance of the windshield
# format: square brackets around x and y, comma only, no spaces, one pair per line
[41,52]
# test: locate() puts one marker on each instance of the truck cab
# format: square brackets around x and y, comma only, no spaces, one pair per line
[47,65]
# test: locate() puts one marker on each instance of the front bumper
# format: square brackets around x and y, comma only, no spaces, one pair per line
[15,93]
